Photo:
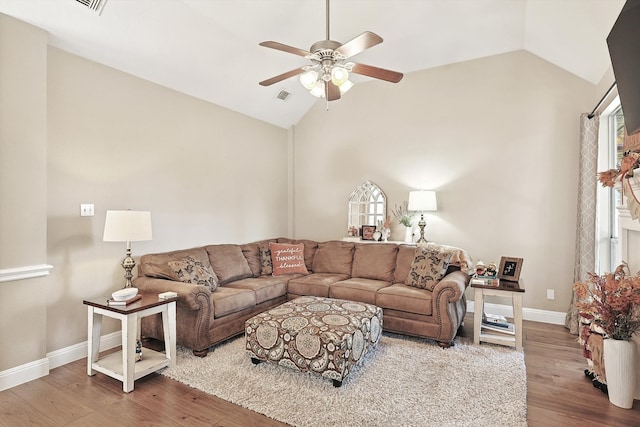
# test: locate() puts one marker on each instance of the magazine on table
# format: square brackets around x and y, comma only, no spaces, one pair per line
[508,329]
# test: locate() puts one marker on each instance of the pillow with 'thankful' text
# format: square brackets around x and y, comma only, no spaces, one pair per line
[287,258]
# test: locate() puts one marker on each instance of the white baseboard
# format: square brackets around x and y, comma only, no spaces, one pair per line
[533,314]
[79,351]
[24,373]
[40,368]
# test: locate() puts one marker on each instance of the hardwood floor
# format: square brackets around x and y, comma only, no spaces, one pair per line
[558,394]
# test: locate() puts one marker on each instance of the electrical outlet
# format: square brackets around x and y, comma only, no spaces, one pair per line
[86,209]
[551,294]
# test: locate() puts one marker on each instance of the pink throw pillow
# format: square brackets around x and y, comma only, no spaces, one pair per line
[287,258]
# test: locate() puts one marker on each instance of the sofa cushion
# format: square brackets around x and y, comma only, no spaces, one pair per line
[333,257]
[374,261]
[406,253]
[357,289]
[287,258]
[266,288]
[406,299]
[316,284]
[228,262]
[227,300]
[190,270]
[310,248]
[428,268]
[251,252]
[156,265]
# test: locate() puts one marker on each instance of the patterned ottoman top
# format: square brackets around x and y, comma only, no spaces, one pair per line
[315,334]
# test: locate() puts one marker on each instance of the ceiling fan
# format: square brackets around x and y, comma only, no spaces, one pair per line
[328,74]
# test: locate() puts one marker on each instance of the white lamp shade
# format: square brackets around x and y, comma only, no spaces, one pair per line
[422,200]
[308,79]
[339,75]
[344,87]
[318,89]
[127,226]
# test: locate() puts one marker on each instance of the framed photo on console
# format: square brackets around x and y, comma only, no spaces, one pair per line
[367,232]
[510,268]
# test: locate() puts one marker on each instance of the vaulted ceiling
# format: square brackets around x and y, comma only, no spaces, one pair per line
[209,48]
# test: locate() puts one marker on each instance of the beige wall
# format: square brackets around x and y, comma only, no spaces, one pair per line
[23,206]
[496,137]
[207,175]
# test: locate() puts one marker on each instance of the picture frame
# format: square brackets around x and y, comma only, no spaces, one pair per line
[367,231]
[510,268]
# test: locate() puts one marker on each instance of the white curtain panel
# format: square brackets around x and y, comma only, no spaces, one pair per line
[585,260]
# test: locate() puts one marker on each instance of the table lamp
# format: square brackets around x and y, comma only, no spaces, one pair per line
[127,226]
[422,200]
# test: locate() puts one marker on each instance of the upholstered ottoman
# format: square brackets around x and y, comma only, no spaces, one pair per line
[323,336]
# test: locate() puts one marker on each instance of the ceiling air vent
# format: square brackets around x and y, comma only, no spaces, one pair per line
[94,5]
[283,95]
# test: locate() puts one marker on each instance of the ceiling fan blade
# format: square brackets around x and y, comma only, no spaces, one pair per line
[332,92]
[359,43]
[376,72]
[281,77]
[285,48]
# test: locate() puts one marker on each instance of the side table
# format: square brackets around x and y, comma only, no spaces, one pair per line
[482,333]
[121,365]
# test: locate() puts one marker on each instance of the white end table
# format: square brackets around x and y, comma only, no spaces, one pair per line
[121,365]
[507,289]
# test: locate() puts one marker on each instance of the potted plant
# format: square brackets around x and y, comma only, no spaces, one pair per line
[401,213]
[612,302]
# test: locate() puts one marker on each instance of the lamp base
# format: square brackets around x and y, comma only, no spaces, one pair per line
[422,224]
[128,263]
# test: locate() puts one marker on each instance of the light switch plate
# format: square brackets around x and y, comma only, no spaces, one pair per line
[86,209]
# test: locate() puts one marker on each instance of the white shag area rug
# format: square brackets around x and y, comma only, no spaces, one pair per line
[402,382]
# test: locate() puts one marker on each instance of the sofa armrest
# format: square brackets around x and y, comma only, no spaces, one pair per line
[449,304]
[190,296]
[452,286]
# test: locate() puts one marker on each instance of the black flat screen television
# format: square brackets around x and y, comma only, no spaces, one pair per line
[624,50]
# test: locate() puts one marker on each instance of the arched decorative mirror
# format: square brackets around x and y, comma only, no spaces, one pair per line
[367,205]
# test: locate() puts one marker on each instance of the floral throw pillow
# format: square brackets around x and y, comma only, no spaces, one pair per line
[287,258]
[190,270]
[428,268]
[265,259]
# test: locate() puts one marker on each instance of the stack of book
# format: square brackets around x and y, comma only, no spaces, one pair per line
[497,323]
[124,303]
[485,280]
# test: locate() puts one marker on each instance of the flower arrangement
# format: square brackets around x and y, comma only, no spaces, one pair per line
[401,213]
[612,302]
[630,161]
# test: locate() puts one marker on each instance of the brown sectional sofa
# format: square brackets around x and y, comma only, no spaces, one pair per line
[373,273]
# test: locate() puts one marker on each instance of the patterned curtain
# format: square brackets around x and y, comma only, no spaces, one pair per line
[585,260]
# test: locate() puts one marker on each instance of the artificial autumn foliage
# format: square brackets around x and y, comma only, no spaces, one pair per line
[629,162]
[611,301]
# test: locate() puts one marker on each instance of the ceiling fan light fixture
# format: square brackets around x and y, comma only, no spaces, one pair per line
[308,79]
[339,76]
[329,64]
[344,87]
[318,89]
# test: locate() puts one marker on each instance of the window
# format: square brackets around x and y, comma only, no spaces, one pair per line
[616,142]
[367,205]
[611,139]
